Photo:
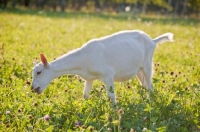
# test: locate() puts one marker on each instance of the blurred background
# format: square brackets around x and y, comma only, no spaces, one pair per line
[180,8]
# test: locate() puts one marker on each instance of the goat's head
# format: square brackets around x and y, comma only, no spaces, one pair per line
[42,75]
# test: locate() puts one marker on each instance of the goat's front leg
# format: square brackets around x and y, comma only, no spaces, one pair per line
[109,81]
[87,88]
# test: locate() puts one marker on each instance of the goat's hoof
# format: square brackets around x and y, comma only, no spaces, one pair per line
[85,96]
[115,106]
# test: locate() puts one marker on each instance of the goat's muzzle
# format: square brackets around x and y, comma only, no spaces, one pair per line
[37,90]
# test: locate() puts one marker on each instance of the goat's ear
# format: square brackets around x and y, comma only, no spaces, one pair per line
[44,61]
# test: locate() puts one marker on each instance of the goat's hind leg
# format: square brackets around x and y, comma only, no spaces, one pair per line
[148,71]
[87,88]
[141,78]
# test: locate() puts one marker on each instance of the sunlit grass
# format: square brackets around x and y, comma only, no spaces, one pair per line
[173,106]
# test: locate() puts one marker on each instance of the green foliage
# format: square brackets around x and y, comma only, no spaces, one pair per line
[195,4]
[173,106]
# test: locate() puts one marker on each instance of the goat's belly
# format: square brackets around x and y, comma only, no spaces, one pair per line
[124,76]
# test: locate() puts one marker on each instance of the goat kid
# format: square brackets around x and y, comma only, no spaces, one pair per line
[117,57]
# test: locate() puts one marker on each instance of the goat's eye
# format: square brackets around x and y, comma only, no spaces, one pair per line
[38,73]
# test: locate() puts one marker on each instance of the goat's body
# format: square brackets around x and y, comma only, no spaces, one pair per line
[114,55]
[118,57]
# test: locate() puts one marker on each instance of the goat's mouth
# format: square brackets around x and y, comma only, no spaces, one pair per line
[37,90]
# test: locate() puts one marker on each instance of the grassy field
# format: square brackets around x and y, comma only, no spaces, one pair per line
[173,106]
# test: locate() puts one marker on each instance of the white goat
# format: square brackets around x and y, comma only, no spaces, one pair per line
[117,57]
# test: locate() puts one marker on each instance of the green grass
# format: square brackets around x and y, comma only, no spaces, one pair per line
[173,106]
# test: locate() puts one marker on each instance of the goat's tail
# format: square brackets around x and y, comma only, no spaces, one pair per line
[164,37]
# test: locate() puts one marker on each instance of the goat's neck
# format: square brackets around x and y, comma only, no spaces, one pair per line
[67,64]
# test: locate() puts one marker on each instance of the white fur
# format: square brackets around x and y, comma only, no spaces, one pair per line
[117,57]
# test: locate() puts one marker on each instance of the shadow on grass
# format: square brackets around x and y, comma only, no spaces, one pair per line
[120,17]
